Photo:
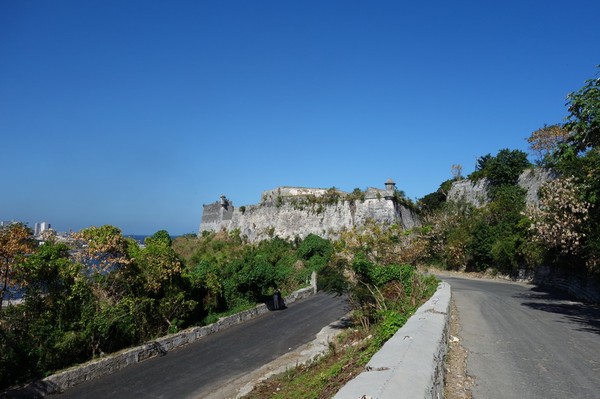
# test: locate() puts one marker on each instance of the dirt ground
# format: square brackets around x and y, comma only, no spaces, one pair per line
[458,383]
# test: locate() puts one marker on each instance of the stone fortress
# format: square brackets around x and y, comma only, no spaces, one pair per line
[290,212]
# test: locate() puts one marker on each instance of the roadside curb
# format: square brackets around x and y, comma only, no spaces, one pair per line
[161,346]
[410,364]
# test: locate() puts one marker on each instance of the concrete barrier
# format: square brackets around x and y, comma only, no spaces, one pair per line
[96,368]
[410,364]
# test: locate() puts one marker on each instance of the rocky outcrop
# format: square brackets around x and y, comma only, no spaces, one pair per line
[469,191]
[289,212]
[476,192]
[532,179]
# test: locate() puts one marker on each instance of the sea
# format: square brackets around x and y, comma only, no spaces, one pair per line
[138,237]
[141,237]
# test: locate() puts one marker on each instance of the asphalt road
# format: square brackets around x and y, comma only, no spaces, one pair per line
[200,368]
[524,342]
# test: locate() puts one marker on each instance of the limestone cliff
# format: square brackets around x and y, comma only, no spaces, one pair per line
[289,212]
[476,192]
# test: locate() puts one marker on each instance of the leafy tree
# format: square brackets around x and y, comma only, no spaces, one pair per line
[559,220]
[45,333]
[158,262]
[546,141]
[105,249]
[161,238]
[584,116]
[579,157]
[16,241]
[207,279]
[482,162]
[435,200]
[506,167]
[479,247]
[316,251]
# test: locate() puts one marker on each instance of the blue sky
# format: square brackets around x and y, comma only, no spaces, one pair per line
[135,113]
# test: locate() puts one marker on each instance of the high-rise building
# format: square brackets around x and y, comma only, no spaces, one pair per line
[41,227]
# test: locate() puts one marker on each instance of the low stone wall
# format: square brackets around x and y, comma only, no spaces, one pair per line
[583,287]
[410,364]
[161,346]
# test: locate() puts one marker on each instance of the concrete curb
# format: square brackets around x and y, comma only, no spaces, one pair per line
[410,364]
[161,346]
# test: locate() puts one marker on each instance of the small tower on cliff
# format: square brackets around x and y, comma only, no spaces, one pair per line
[390,187]
[224,202]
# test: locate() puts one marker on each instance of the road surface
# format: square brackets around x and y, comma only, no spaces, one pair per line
[524,342]
[204,366]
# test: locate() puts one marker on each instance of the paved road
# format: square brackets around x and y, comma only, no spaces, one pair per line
[527,343]
[199,368]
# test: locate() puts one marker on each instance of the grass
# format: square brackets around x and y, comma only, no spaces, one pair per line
[321,379]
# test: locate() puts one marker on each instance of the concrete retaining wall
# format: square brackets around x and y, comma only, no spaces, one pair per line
[411,364]
[161,346]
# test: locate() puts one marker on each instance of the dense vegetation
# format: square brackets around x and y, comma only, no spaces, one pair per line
[563,230]
[103,292]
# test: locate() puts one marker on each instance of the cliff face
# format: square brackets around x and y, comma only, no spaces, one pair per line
[475,193]
[297,212]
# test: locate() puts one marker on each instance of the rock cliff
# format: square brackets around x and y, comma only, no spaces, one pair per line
[289,212]
[475,192]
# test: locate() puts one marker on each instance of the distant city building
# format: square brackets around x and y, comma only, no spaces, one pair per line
[40,227]
[5,223]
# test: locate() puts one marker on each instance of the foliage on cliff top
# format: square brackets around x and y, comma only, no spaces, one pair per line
[502,169]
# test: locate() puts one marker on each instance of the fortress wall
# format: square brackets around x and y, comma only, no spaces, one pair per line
[289,220]
[214,215]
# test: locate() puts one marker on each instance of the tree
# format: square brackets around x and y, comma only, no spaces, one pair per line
[105,247]
[583,121]
[457,172]
[545,141]
[559,220]
[158,262]
[56,292]
[16,241]
[506,167]
[482,161]
[435,200]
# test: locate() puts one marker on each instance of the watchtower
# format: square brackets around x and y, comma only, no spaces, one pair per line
[390,187]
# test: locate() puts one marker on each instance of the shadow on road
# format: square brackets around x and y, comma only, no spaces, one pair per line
[585,316]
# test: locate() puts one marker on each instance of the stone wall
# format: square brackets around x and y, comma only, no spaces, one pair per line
[580,285]
[288,213]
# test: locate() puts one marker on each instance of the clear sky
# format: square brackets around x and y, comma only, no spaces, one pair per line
[135,113]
